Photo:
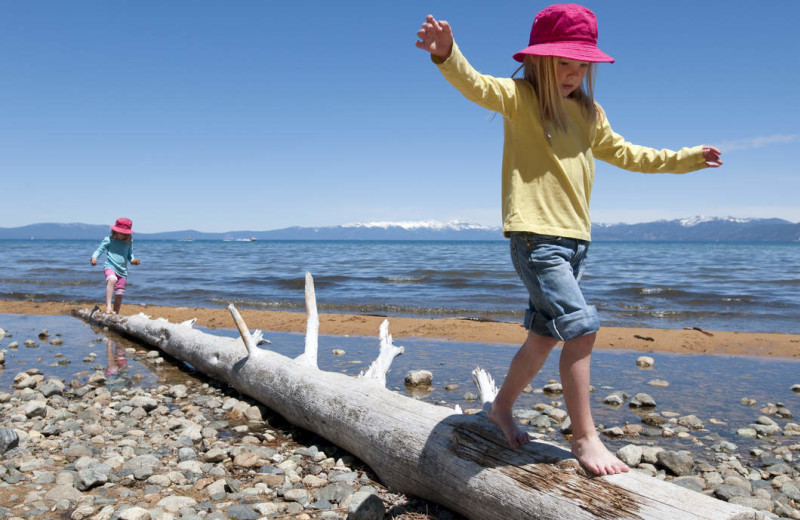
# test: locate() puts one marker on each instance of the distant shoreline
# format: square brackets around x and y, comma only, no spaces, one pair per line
[694,229]
[680,341]
[454,240]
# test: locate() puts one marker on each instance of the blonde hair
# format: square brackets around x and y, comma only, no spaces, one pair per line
[121,236]
[541,72]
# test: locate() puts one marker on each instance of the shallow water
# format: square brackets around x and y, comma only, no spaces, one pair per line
[706,386]
[730,287]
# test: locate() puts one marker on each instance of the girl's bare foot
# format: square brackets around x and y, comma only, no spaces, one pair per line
[592,453]
[505,421]
[109,310]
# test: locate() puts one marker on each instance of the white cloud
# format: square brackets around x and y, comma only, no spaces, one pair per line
[757,142]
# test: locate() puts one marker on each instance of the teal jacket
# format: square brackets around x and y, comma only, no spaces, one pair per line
[118,254]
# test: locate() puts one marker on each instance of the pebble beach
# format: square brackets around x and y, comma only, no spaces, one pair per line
[152,439]
[102,447]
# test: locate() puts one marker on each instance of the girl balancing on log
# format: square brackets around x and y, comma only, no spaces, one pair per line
[553,132]
[119,252]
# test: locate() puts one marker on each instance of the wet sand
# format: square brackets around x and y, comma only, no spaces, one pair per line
[685,341]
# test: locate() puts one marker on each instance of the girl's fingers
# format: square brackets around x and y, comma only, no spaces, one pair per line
[433,34]
[712,156]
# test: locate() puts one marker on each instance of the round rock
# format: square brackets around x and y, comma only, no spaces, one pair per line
[677,462]
[419,378]
[365,506]
[135,513]
[615,398]
[553,388]
[630,455]
[642,400]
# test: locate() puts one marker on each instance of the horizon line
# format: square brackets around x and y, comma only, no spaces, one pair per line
[403,224]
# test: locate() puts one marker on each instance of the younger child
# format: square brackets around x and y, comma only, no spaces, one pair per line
[119,252]
[554,130]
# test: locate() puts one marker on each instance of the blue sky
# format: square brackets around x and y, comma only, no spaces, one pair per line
[259,115]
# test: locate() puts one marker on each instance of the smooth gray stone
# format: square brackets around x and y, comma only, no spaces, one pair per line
[337,492]
[8,440]
[791,490]
[763,504]
[677,462]
[727,492]
[242,512]
[365,506]
[689,482]
[642,400]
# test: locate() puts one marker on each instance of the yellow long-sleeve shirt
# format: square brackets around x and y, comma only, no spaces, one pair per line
[547,186]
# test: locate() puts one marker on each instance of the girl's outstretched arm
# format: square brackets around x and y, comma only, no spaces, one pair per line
[435,37]
[100,249]
[712,156]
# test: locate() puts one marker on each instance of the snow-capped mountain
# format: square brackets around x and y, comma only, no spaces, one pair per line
[702,229]
[386,230]
[450,225]
[701,219]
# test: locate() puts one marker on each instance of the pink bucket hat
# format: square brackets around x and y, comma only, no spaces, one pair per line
[567,31]
[123,225]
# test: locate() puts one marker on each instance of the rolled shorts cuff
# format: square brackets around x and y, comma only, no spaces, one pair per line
[537,323]
[575,324]
[564,328]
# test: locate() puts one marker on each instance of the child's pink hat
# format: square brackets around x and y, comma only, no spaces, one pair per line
[567,31]
[123,225]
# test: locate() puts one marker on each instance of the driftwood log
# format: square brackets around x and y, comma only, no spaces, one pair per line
[459,461]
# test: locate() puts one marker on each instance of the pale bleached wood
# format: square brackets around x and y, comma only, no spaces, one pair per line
[487,390]
[457,460]
[388,351]
[241,326]
[189,323]
[309,356]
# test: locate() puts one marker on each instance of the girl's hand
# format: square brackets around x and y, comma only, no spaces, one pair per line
[136,261]
[711,155]
[436,37]
[94,261]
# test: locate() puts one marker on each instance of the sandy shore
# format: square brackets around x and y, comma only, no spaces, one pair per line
[687,341]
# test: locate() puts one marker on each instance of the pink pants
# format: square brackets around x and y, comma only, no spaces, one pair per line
[119,281]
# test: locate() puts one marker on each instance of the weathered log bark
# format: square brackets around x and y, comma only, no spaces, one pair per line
[459,461]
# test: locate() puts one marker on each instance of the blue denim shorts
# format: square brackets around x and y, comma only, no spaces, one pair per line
[551,268]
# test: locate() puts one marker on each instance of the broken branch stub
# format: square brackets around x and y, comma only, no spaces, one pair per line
[243,330]
[388,351]
[487,390]
[309,356]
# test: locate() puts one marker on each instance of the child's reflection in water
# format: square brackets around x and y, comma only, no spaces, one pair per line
[116,358]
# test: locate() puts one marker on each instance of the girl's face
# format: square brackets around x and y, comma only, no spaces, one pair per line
[119,236]
[570,75]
